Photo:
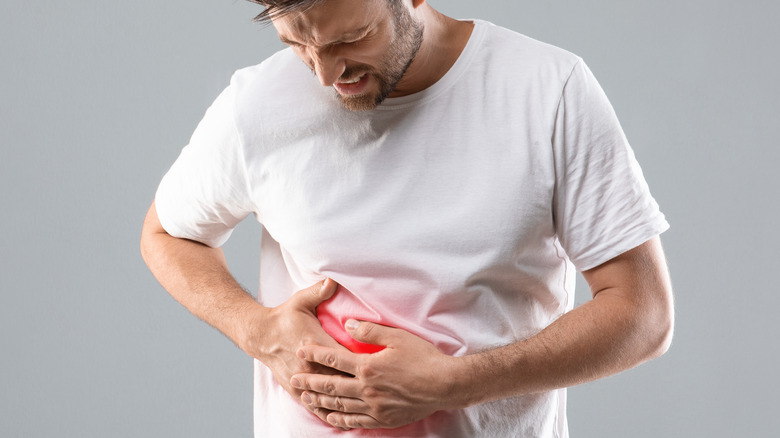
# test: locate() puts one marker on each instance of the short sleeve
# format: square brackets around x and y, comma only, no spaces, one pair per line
[205,193]
[602,204]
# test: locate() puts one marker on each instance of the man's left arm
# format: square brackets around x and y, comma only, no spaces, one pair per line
[629,321]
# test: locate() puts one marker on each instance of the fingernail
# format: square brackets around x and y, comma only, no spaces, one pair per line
[306,398]
[351,325]
[300,354]
[295,383]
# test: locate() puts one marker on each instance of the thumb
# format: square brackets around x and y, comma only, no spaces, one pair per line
[314,295]
[371,333]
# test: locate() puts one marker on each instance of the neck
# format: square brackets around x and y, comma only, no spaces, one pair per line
[443,41]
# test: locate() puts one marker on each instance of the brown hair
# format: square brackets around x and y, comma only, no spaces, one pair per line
[277,8]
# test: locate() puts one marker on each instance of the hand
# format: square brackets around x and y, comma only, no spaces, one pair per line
[407,381]
[275,336]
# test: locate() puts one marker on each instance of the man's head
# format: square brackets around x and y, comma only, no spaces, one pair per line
[362,48]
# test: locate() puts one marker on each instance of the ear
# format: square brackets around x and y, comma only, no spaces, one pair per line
[417,3]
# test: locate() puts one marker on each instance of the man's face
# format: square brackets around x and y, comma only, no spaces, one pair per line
[361,48]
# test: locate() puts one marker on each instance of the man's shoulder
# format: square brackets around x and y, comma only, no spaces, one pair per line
[281,67]
[279,88]
[520,49]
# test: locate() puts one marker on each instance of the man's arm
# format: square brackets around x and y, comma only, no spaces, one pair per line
[629,321]
[197,276]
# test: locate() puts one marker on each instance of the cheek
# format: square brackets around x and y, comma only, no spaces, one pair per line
[371,51]
[369,56]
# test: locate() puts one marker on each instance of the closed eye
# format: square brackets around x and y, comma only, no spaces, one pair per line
[362,34]
[348,43]
[290,43]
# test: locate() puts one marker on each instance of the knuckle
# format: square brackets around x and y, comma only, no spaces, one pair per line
[329,388]
[366,371]
[339,405]
[365,330]
[330,360]
[369,392]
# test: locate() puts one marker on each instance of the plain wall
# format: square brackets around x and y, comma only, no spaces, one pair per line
[98,97]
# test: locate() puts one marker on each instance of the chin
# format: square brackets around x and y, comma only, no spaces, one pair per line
[359,103]
[370,99]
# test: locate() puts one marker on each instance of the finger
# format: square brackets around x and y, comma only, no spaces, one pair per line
[316,400]
[323,415]
[338,359]
[312,296]
[334,386]
[352,421]
[371,333]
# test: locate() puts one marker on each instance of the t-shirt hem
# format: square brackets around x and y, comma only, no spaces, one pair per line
[624,245]
[170,226]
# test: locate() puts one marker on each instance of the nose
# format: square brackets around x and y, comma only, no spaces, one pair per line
[327,66]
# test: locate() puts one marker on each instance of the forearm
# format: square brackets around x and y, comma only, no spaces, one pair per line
[620,328]
[197,276]
[575,349]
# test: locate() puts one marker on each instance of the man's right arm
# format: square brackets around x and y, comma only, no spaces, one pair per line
[197,276]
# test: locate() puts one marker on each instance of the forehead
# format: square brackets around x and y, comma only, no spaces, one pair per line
[331,20]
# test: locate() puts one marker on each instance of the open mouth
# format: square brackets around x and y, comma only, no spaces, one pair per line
[352,86]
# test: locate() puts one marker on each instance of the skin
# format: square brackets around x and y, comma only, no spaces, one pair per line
[629,320]
[197,276]
[342,39]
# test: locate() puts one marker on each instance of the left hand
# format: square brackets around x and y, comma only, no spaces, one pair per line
[407,381]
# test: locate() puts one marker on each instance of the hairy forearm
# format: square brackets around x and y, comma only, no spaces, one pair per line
[575,349]
[197,276]
[617,330]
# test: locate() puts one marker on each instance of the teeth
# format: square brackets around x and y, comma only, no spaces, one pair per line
[354,81]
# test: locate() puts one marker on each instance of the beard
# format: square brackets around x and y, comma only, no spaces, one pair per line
[401,52]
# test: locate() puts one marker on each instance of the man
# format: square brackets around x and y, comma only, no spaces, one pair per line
[426,196]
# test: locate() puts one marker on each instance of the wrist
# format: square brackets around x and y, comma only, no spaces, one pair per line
[463,385]
[250,327]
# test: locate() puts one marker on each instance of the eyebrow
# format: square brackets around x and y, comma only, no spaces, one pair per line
[355,34]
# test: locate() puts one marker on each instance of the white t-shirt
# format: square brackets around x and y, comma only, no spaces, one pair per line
[458,213]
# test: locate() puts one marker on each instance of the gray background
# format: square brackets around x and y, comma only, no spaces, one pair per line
[99,96]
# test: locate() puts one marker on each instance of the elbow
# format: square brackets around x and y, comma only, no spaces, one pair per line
[144,247]
[649,330]
[666,333]
[662,338]
[145,243]
[659,331]
[150,229]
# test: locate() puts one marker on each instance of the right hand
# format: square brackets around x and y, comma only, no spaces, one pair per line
[275,337]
